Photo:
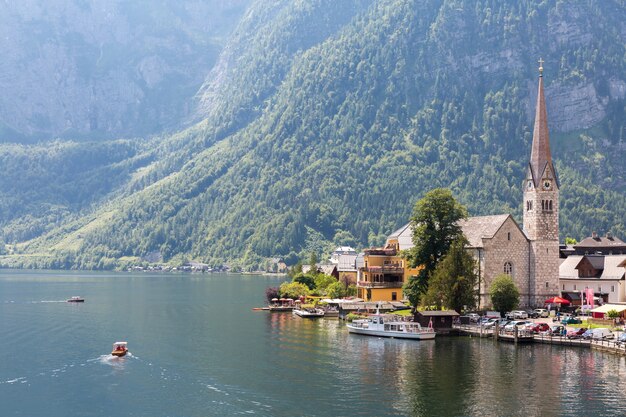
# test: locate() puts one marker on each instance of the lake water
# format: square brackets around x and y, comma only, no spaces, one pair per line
[198,349]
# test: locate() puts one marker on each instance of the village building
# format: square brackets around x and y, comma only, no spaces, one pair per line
[602,273]
[383,271]
[343,255]
[345,259]
[598,263]
[328,269]
[529,254]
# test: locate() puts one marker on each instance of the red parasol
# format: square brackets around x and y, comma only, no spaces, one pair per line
[556,300]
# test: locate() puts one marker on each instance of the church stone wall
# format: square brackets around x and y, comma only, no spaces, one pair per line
[499,250]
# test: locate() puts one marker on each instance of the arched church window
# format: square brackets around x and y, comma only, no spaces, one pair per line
[550,205]
[508,268]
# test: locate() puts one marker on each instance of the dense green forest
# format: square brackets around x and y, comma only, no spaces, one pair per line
[323,122]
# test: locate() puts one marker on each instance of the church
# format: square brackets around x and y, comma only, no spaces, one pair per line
[529,254]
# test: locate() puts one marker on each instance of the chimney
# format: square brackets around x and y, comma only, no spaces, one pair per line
[609,236]
[594,235]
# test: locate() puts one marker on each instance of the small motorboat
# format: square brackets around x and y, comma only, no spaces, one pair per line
[309,313]
[76,299]
[120,349]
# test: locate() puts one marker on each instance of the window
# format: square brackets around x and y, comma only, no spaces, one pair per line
[508,268]
[599,288]
[563,287]
[612,288]
[529,205]
[547,285]
[574,287]
[508,235]
[550,205]
[394,296]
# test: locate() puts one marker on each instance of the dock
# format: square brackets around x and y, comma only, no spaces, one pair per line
[524,336]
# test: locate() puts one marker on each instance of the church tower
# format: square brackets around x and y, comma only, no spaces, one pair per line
[541,209]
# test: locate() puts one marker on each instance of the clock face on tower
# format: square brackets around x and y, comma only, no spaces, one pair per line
[546,185]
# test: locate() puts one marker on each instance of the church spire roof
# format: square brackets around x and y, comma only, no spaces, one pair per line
[540,155]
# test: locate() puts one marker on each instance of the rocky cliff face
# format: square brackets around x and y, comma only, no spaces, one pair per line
[105,68]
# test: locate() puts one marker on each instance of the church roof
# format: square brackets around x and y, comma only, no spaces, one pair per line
[540,155]
[477,228]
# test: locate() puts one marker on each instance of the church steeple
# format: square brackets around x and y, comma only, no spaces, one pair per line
[540,156]
[541,209]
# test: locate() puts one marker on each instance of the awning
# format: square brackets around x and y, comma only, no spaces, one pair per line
[608,307]
[575,296]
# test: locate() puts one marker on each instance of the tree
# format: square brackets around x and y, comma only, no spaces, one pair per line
[336,290]
[306,279]
[313,260]
[293,290]
[453,283]
[435,223]
[412,291]
[271,292]
[612,314]
[323,281]
[295,270]
[570,241]
[504,294]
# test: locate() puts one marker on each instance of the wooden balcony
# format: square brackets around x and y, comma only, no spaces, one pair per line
[385,269]
[381,284]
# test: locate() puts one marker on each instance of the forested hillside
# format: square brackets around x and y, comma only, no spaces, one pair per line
[322,124]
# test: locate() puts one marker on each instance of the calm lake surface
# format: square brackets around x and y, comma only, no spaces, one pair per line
[197,349]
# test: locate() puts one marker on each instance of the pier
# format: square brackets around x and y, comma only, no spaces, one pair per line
[523,336]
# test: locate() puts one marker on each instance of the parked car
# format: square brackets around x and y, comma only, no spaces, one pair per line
[493,315]
[541,312]
[557,329]
[490,323]
[587,334]
[474,318]
[571,320]
[576,333]
[602,333]
[519,314]
[516,323]
[621,339]
[538,327]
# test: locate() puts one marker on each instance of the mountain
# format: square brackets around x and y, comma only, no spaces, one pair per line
[105,68]
[322,123]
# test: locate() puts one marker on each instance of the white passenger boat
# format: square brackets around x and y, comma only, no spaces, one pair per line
[379,325]
[309,313]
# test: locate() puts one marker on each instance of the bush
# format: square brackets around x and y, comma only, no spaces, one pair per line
[352,317]
[271,292]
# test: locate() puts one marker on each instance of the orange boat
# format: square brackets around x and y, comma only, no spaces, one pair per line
[120,349]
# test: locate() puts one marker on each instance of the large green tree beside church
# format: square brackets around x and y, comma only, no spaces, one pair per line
[435,226]
[453,284]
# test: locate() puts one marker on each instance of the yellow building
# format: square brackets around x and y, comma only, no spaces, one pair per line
[383,272]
